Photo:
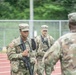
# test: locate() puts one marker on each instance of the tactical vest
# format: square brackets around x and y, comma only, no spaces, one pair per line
[45,43]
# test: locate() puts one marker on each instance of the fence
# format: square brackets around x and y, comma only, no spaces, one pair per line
[9,29]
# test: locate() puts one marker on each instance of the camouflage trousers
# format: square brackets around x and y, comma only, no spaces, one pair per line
[48,69]
[42,68]
[21,72]
[39,67]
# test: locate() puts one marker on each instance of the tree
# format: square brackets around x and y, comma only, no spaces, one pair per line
[43,9]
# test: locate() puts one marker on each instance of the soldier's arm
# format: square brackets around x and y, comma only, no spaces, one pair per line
[52,40]
[37,43]
[52,55]
[11,52]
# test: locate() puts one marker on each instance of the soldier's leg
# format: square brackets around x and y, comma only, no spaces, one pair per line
[48,69]
[35,69]
[40,68]
[21,72]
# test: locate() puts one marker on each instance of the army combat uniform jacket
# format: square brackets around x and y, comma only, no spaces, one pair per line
[42,47]
[15,57]
[64,49]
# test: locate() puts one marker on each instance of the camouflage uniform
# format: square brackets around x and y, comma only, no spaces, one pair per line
[15,56]
[42,48]
[64,49]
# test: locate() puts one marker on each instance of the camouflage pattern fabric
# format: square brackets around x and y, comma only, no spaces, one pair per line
[64,49]
[40,51]
[15,56]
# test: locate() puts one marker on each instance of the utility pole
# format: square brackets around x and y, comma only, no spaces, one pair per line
[31,20]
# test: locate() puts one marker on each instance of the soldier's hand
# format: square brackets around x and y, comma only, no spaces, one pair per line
[25,53]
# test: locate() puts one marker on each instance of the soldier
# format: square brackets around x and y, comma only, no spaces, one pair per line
[64,49]
[19,52]
[44,42]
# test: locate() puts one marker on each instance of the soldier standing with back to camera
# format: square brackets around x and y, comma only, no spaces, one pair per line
[44,42]
[19,52]
[64,49]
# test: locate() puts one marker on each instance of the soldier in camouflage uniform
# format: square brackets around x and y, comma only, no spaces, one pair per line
[64,49]
[16,54]
[44,41]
